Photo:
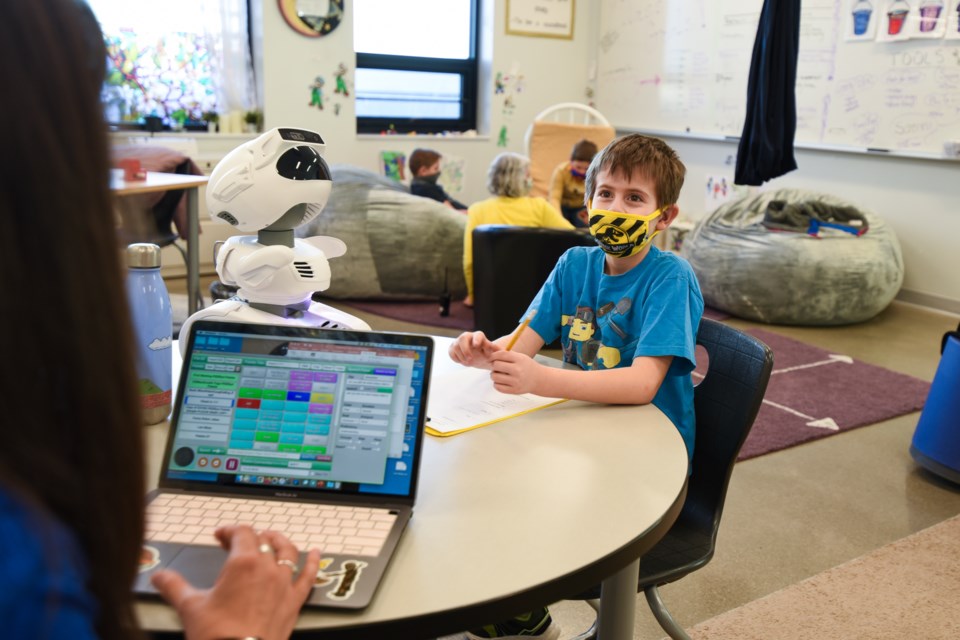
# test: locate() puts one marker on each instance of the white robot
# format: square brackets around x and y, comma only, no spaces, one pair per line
[271,185]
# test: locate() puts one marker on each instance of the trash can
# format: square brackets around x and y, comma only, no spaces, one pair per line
[936,440]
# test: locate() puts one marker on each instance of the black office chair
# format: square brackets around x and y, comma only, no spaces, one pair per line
[510,264]
[726,402]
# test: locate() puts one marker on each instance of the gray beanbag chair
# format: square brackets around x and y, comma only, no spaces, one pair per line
[399,246]
[781,276]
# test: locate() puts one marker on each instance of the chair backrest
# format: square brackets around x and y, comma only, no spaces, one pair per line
[550,138]
[726,403]
[510,264]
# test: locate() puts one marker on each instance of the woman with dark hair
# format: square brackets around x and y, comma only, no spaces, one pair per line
[71,446]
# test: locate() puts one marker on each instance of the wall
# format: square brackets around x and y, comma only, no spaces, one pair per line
[553,71]
[920,199]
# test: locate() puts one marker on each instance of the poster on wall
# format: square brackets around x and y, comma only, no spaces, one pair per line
[540,18]
[393,165]
[451,173]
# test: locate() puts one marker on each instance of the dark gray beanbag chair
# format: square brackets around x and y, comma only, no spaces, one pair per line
[399,246]
[782,276]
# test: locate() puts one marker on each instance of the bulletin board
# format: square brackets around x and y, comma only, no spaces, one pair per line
[682,67]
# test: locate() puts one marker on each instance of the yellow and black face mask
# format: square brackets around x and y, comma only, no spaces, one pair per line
[622,234]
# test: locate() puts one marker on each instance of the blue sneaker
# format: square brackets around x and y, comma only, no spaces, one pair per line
[535,624]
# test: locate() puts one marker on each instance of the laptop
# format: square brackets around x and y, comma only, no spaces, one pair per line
[313,432]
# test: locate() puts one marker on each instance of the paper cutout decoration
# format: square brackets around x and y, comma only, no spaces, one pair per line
[393,165]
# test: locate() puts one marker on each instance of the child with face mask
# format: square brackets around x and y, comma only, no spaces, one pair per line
[567,184]
[509,182]
[425,166]
[626,312]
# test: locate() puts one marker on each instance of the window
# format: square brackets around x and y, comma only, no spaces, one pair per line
[416,65]
[159,64]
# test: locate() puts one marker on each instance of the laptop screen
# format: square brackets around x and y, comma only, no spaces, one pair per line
[292,409]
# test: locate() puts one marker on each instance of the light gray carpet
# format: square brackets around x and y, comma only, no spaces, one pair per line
[907,589]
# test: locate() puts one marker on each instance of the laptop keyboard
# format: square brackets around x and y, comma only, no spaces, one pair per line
[329,528]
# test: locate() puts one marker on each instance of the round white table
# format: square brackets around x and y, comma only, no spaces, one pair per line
[512,516]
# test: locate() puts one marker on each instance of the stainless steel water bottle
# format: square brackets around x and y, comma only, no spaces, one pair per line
[153,330]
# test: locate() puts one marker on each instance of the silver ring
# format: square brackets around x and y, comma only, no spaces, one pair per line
[289,563]
[265,548]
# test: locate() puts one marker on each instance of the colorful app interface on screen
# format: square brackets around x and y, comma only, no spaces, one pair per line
[299,413]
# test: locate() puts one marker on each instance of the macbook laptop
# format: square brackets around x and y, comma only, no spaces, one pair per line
[316,433]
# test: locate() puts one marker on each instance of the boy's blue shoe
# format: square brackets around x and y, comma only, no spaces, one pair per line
[536,624]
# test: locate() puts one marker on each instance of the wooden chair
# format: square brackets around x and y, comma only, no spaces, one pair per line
[550,138]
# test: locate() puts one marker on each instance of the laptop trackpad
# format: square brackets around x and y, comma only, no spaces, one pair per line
[199,565]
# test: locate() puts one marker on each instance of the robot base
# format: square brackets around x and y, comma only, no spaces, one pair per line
[234,310]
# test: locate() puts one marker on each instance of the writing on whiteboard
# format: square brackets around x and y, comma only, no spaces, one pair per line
[694,71]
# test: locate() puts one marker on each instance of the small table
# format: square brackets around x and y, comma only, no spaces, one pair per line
[512,516]
[156,182]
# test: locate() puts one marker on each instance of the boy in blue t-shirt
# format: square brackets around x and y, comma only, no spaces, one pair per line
[626,312]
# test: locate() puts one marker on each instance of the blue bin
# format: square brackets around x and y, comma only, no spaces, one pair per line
[936,441]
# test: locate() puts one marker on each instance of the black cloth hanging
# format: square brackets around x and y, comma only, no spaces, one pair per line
[766,145]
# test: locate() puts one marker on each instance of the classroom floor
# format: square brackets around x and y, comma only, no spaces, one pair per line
[796,512]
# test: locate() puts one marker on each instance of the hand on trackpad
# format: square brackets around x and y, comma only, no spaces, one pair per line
[199,565]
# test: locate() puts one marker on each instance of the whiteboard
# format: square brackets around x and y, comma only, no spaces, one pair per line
[681,66]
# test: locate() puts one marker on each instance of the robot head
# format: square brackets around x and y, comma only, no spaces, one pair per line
[277,181]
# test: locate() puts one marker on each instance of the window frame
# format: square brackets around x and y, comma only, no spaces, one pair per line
[467,69]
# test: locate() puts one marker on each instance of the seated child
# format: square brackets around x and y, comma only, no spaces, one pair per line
[566,184]
[425,166]
[626,312]
[508,179]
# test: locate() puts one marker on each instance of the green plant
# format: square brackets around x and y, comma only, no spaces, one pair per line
[211,117]
[252,117]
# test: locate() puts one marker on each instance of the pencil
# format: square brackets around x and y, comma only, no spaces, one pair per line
[516,334]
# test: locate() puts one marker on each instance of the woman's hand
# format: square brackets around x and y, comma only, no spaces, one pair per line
[473,349]
[258,592]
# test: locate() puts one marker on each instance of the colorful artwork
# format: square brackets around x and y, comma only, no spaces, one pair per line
[316,93]
[340,75]
[393,164]
[861,21]
[451,174]
[172,73]
[720,190]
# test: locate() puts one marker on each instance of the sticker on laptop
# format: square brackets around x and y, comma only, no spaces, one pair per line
[149,558]
[349,576]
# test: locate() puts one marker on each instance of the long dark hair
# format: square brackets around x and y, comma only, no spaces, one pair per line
[70,441]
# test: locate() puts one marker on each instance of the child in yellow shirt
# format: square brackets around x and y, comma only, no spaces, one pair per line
[567,186]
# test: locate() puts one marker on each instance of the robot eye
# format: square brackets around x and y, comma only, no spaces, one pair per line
[302,163]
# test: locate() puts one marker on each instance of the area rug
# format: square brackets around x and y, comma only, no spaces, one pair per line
[814,393]
[906,589]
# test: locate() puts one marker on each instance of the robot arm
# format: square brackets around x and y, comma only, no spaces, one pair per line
[253,270]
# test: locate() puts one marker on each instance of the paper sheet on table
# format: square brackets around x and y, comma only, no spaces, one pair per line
[468,401]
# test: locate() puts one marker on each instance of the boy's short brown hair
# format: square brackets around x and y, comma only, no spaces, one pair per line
[652,158]
[583,151]
[421,158]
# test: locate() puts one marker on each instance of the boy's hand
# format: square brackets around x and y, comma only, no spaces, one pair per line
[514,372]
[473,349]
